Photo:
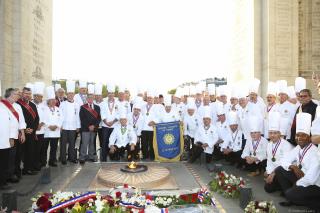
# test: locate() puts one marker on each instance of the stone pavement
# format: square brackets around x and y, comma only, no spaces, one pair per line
[77,178]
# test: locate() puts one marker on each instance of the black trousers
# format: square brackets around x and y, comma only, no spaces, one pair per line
[53,148]
[196,153]
[147,144]
[29,152]
[188,143]
[299,195]
[68,137]
[18,158]
[11,159]
[106,132]
[233,157]
[39,161]
[256,166]
[273,186]
[4,157]
[119,152]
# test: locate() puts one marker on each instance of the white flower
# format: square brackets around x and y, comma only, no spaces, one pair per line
[226,181]
[99,205]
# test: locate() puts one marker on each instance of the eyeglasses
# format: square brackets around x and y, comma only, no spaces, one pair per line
[303,96]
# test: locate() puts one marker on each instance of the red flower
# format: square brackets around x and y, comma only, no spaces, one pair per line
[118,194]
[194,198]
[44,203]
[184,197]
[148,197]
[125,185]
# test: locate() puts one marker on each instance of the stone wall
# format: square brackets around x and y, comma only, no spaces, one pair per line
[25,44]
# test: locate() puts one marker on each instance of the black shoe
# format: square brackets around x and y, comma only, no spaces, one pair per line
[286,203]
[28,172]
[13,179]
[64,162]
[74,161]
[92,160]
[53,164]
[82,162]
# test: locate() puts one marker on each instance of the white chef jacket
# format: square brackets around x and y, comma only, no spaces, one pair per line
[209,136]
[283,149]
[288,111]
[40,108]
[109,114]
[153,115]
[5,120]
[261,151]
[310,165]
[269,109]
[168,116]
[233,140]
[52,118]
[191,124]
[15,125]
[136,122]
[70,114]
[121,140]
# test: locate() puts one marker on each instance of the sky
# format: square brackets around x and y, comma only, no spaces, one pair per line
[141,43]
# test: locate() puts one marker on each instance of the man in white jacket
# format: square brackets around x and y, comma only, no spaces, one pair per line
[299,173]
[4,146]
[205,138]
[276,150]
[123,138]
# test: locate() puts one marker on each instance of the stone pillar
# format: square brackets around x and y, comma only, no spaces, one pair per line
[25,43]
[283,23]
[309,39]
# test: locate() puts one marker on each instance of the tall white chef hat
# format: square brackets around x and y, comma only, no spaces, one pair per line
[207,112]
[303,123]
[50,93]
[90,89]
[211,89]
[300,84]
[282,86]
[57,86]
[167,100]
[111,88]
[82,84]
[98,89]
[272,88]
[71,85]
[255,123]
[254,86]
[232,118]
[274,121]
[39,88]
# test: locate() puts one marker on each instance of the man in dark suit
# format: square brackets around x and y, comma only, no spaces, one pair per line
[31,116]
[308,106]
[90,119]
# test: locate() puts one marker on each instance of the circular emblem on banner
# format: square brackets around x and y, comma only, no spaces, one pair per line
[168,138]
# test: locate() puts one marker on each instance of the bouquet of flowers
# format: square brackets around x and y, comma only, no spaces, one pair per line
[124,199]
[227,185]
[260,207]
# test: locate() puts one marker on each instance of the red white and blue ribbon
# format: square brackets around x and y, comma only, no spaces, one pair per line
[164,210]
[130,205]
[205,193]
[72,201]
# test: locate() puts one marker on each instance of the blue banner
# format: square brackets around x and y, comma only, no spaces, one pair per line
[168,141]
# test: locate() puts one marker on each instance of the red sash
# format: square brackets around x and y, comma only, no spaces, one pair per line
[30,110]
[11,108]
[92,112]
